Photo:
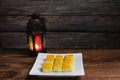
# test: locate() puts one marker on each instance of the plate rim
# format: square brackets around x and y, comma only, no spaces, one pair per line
[72,75]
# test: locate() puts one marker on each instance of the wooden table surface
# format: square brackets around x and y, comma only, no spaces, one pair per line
[98,64]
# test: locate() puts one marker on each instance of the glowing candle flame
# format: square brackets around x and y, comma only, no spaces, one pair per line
[38,43]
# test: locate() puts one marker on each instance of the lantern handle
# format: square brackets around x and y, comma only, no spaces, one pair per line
[35,16]
[41,19]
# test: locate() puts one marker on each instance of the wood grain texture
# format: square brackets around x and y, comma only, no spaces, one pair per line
[12,41]
[64,40]
[64,23]
[58,7]
[98,64]
[79,23]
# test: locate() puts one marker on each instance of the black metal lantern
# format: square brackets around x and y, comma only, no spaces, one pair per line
[36,32]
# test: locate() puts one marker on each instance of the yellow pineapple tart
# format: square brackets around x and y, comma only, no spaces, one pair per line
[67,67]
[57,67]
[46,67]
[59,57]
[58,63]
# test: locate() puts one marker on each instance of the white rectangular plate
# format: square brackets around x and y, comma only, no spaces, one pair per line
[78,69]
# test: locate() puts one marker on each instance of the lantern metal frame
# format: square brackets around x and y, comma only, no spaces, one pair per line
[36,27]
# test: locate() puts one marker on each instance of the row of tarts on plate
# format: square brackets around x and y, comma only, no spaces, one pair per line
[58,63]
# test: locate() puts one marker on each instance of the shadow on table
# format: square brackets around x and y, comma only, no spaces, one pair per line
[51,78]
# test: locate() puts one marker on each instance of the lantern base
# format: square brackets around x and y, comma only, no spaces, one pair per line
[34,53]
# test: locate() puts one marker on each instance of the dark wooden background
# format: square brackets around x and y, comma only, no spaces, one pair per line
[70,23]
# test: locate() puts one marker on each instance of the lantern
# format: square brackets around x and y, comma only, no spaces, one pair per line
[36,32]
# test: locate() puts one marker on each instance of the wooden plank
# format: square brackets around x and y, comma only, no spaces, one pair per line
[65,23]
[16,66]
[13,40]
[104,71]
[89,55]
[64,40]
[83,40]
[60,7]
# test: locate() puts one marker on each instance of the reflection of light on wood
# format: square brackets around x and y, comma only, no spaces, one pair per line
[38,43]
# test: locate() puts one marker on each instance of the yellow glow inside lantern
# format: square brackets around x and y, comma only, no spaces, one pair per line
[30,43]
